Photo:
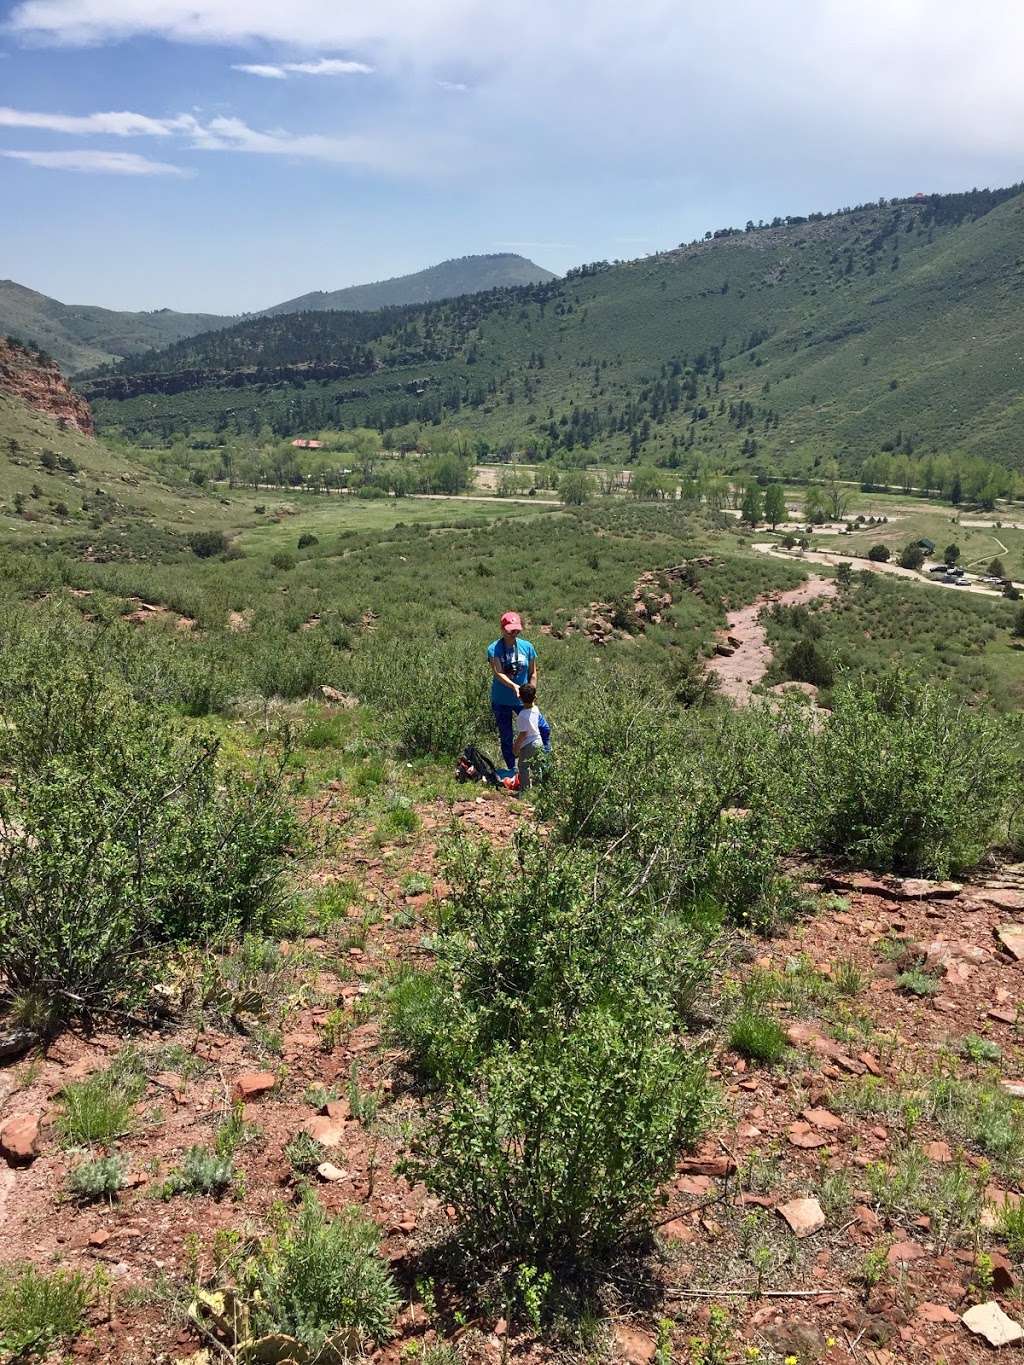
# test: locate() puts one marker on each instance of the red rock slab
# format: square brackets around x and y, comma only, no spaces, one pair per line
[19,1139]
[678,1230]
[824,1119]
[936,1312]
[632,1346]
[1011,938]
[327,1131]
[250,1085]
[803,1216]
[716,1166]
[902,1253]
[801,1135]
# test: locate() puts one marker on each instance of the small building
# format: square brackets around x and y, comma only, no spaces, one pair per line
[302,444]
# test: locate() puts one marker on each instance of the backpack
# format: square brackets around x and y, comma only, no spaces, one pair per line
[475,766]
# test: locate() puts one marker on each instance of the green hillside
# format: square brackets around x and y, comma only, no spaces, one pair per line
[80,336]
[59,487]
[891,326]
[464,275]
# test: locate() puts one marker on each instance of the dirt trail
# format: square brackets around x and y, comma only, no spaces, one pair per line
[738,672]
[872,566]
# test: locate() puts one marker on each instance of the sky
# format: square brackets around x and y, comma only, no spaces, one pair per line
[224,155]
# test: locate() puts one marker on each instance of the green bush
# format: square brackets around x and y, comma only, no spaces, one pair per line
[433,698]
[283,559]
[206,544]
[807,662]
[322,1276]
[97,1178]
[121,835]
[99,1109]
[202,1171]
[554,1151]
[756,1034]
[906,779]
[307,539]
[560,989]
[38,1310]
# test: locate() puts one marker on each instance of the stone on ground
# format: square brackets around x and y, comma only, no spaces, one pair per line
[251,1084]
[1011,936]
[989,1321]
[803,1216]
[19,1139]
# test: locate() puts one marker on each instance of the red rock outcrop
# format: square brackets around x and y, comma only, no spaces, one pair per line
[40,384]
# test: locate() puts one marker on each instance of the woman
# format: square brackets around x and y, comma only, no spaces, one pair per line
[514,664]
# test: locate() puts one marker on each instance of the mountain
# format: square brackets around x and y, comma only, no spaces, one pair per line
[464,275]
[892,326]
[80,336]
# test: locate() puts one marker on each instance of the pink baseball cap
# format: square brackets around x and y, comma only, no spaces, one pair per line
[511,621]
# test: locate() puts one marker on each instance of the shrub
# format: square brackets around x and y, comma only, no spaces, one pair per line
[98,1178]
[303,1153]
[905,778]
[98,1110]
[432,698]
[550,1020]
[756,1034]
[206,544]
[307,539]
[38,1311]
[321,1277]
[980,1050]
[917,982]
[880,554]
[121,835]
[911,557]
[554,1151]
[284,560]
[806,662]
[1011,1226]
[202,1171]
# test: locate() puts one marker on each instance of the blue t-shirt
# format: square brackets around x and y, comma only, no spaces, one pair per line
[515,661]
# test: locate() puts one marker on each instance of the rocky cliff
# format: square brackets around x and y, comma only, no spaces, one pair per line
[37,381]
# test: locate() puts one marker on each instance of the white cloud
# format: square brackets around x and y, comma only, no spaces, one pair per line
[379,150]
[269,73]
[120,124]
[821,79]
[458,87]
[97,163]
[323,66]
[329,66]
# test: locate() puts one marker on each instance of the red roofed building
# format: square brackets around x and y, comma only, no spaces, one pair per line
[303,444]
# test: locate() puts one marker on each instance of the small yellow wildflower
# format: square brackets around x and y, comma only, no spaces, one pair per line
[753,1353]
[792,1360]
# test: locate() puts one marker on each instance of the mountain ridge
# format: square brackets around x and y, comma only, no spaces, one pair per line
[892,326]
[493,270]
[83,337]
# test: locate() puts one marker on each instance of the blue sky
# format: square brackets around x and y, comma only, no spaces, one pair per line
[223,155]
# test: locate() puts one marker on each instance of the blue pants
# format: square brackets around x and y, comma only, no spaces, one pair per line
[505,719]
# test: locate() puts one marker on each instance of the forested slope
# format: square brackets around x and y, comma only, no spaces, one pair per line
[895,325]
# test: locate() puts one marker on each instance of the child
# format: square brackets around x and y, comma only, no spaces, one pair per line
[528,742]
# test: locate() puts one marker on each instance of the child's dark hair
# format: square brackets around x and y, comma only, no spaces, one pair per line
[527,693]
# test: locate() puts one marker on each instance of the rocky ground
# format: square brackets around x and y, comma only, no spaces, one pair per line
[742,653]
[844,1206]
